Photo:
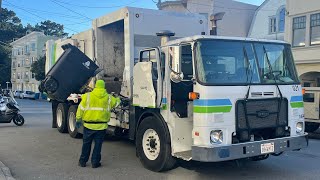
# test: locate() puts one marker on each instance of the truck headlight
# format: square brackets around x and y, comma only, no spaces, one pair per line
[299,127]
[216,136]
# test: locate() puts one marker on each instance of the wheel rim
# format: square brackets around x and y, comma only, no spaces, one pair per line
[151,144]
[72,122]
[19,120]
[59,118]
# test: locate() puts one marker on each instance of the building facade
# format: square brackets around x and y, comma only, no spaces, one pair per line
[269,20]
[303,32]
[25,51]
[235,22]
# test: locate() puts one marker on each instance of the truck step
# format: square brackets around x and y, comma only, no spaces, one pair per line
[185,155]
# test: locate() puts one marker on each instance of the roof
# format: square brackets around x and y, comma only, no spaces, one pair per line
[26,36]
[197,37]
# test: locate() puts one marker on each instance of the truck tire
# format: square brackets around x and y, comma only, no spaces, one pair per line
[72,129]
[311,127]
[62,112]
[153,145]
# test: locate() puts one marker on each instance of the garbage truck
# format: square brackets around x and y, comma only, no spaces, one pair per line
[185,93]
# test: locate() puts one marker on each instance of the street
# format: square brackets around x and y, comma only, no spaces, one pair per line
[36,151]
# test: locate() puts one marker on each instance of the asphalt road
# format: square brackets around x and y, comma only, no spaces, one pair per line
[36,151]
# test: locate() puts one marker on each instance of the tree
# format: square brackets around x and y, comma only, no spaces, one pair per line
[38,68]
[10,27]
[5,65]
[49,28]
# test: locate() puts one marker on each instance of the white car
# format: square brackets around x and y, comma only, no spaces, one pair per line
[17,93]
[28,95]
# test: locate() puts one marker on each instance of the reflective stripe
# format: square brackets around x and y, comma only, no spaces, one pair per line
[96,109]
[88,101]
[118,103]
[109,102]
[81,107]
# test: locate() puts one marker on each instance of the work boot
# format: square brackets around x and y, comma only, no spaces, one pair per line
[82,164]
[96,165]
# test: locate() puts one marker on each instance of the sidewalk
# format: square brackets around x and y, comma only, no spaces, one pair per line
[5,173]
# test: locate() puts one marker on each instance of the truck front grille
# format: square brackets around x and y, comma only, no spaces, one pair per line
[255,114]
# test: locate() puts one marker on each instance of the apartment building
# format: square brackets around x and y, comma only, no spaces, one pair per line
[236,20]
[269,20]
[25,51]
[303,32]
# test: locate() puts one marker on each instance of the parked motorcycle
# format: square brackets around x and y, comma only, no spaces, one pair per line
[9,111]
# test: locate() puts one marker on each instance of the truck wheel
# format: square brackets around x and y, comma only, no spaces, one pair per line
[311,127]
[154,146]
[62,112]
[73,131]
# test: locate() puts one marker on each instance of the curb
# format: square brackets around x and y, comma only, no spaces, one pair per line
[5,172]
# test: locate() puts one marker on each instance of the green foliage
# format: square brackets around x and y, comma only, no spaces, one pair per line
[38,68]
[10,26]
[49,28]
[5,65]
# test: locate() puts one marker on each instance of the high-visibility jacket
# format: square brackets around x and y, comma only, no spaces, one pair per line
[95,109]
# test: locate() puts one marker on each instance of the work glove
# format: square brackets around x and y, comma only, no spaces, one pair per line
[78,124]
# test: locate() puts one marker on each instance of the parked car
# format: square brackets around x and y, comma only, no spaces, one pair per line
[17,93]
[28,95]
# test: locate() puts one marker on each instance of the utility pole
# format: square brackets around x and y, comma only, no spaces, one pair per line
[0,6]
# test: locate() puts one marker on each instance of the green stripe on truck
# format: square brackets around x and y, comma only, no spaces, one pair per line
[296,104]
[212,109]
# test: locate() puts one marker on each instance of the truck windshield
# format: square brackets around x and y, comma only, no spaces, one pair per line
[230,62]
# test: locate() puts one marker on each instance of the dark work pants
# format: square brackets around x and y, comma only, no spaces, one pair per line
[88,136]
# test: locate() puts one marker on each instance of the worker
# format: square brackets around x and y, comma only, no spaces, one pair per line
[94,114]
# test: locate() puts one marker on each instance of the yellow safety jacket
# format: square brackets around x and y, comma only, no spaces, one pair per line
[94,109]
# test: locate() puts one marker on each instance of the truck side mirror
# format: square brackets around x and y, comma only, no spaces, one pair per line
[176,77]
[175,64]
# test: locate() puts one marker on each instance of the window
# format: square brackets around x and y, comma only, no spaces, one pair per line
[32,75]
[241,62]
[33,46]
[27,49]
[272,25]
[13,75]
[19,76]
[22,51]
[150,56]
[315,29]
[26,75]
[186,62]
[299,31]
[308,97]
[282,17]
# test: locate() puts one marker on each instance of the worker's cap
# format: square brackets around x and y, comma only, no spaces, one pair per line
[100,84]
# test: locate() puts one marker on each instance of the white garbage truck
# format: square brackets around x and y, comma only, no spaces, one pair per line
[186,94]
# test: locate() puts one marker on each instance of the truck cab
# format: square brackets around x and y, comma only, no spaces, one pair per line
[221,98]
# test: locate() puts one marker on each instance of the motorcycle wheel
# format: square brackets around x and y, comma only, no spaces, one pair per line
[18,120]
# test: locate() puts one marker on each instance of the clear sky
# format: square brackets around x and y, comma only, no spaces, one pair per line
[75,15]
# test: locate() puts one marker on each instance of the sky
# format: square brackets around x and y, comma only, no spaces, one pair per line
[76,16]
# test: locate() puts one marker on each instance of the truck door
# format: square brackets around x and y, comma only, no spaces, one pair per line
[147,79]
[311,105]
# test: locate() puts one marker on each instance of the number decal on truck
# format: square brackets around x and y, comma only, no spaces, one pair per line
[295,88]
